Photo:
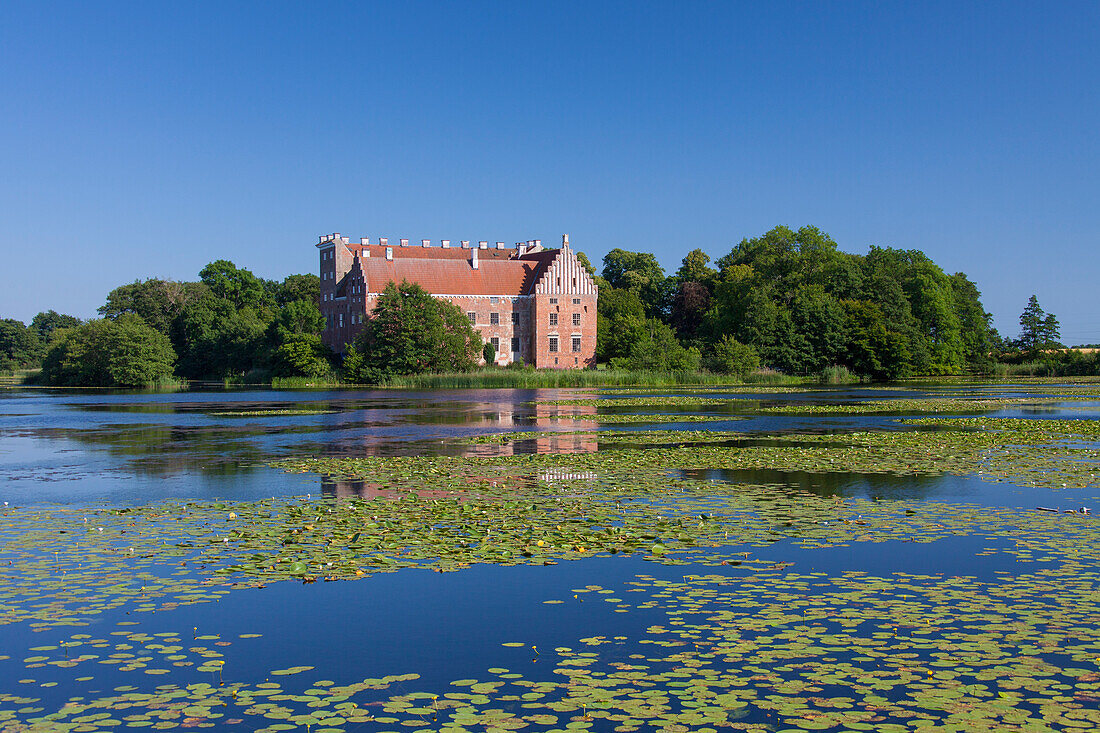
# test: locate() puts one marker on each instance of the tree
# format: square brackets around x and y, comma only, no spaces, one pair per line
[217,339]
[125,352]
[688,308]
[298,287]
[694,268]
[621,323]
[296,347]
[158,302]
[658,350]
[975,329]
[586,264]
[235,284]
[489,353]
[1032,326]
[45,323]
[730,356]
[20,347]
[410,332]
[1052,332]
[641,273]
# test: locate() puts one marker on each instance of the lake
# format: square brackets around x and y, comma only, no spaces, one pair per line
[745,558]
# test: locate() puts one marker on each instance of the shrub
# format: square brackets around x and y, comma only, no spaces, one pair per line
[125,352]
[730,356]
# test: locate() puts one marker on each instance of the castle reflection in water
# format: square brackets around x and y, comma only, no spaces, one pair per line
[514,423]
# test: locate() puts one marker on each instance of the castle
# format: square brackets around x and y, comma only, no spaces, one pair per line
[536,306]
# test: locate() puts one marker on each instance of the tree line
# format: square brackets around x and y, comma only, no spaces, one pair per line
[227,324]
[792,301]
[787,300]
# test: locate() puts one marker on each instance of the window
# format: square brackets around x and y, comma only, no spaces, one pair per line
[341,320]
[495,342]
[553,301]
[576,301]
[494,300]
[515,317]
[576,319]
[576,344]
[553,319]
[553,344]
[494,319]
[515,343]
[472,316]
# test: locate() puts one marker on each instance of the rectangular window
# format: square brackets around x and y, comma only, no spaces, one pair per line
[341,320]
[553,301]
[553,319]
[494,300]
[553,344]
[515,343]
[495,342]
[472,316]
[515,317]
[576,301]
[576,319]
[494,319]
[576,344]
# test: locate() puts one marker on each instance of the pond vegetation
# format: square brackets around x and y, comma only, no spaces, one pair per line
[740,605]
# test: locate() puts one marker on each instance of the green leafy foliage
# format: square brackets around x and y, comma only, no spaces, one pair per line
[410,332]
[804,306]
[729,356]
[20,346]
[125,352]
[46,322]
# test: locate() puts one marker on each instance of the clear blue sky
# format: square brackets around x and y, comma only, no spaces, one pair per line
[147,138]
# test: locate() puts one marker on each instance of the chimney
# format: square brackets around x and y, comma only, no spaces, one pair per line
[366,253]
[364,240]
[383,241]
[538,244]
[565,241]
[345,240]
[521,249]
[446,243]
[425,243]
[500,245]
[404,242]
[473,258]
[483,245]
[389,253]
[465,244]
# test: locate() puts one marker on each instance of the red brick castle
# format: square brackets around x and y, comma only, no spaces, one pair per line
[535,305]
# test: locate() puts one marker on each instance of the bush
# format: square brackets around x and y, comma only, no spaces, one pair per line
[125,352]
[730,356]
[658,350]
[489,353]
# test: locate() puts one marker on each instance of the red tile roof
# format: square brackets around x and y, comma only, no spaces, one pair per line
[448,271]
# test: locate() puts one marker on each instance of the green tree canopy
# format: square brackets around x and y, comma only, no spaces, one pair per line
[641,273]
[125,352]
[236,285]
[20,347]
[695,267]
[410,332]
[658,350]
[158,302]
[621,322]
[729,356]
[46,322]
[1039,330]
